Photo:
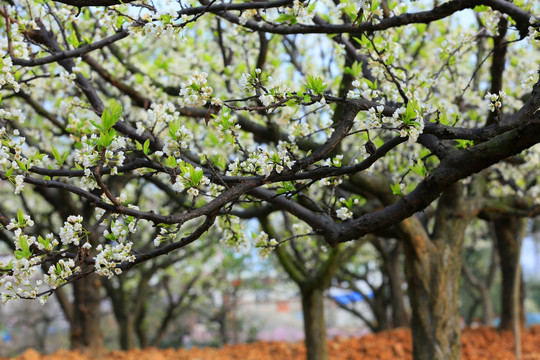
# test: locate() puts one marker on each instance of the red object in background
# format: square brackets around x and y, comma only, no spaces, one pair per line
[283,306]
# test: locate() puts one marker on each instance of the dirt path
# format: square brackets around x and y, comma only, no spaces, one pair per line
[478,344]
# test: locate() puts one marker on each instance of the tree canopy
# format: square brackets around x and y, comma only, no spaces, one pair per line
[119,117]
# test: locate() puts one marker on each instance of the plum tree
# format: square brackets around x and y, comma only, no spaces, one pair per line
[351,116]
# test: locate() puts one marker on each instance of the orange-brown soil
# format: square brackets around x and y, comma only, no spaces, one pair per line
[478,344]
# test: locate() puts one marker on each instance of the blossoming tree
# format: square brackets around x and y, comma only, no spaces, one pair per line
[252,107]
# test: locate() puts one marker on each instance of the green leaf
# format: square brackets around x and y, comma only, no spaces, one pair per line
[374,5]
[96,125]
[481,8]
[173,128]
[120,20]
[20,217]
[396,189]
[170,161]
[316,84]
[21,165]
[45,242]
[57,156]
[23,243]
[165,19]
[287,186]
[72,40]
[146,146]
[196,176]
[286,17]
[89,40]
[419,168]
[9,266]
[111,115]
[463,144]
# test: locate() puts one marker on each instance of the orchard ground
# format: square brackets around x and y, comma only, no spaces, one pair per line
[477,344]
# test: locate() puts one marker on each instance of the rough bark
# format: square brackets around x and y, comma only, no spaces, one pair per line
[433,269]
[312,283]
[395,281]
[85,331]
[314,323]
[126,332]
[483,287]
[508,231]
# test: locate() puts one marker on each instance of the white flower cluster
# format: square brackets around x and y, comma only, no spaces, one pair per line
[495,100]
[12,115]
[248,83]
[330,181]
[344,213]
[184,180]
[174,146]
[15,145]
[363,90]
[301,12]
[87,156]
[262,162]
[60,272]
[19,184]
[6,73]
[195,91]
[530,80]
[246,15]
[110,256]
[534,31]
[19,284]
[376,120]
[227,125]
[158,114]
[492,22]
[72,232]
[264,244]
[24,265]
[273,88]
[158,26]
[120,228]
[214,190]
[232,232]
[166,233]
[66,77]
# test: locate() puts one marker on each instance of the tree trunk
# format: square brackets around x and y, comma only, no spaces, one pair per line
[434,303]
[126,329]
[314,323]
[379,307]
[508,231]
[395,281]
[140,328]
[433,269]
[86,335]
[487,307]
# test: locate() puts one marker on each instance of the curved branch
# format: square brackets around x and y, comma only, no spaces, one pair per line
[62,55]
[520,16]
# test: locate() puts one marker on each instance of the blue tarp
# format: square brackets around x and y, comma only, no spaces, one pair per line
[350,298]
[5,336]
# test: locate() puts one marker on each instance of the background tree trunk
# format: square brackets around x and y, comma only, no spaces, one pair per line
[433,292]
[395,281]
[433,269]
[314,323]
[85,330]
[508,231]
